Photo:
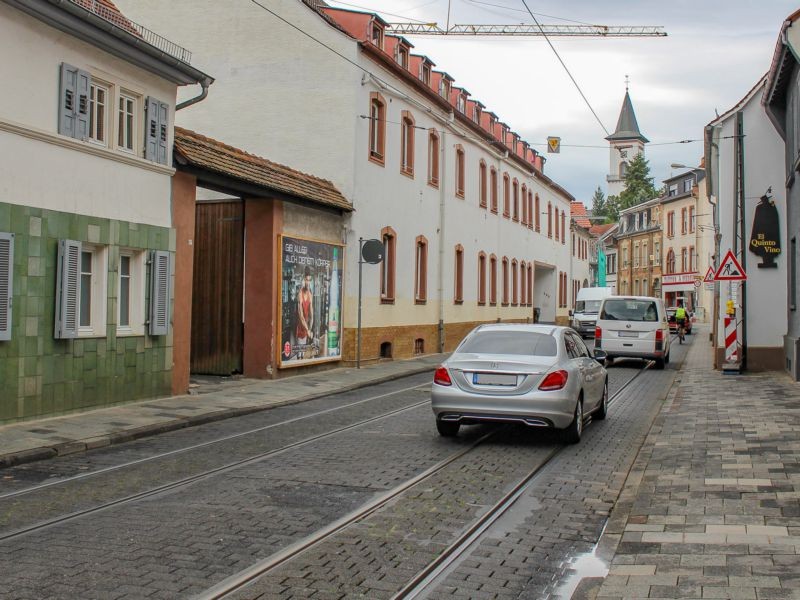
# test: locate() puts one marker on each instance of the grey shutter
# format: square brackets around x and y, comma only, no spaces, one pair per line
[6,283]
[151,129]
[156,133]
[163,133]
[73,102]
[159,293]
[68,289]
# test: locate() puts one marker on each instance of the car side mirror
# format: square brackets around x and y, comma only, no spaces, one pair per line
[600,355]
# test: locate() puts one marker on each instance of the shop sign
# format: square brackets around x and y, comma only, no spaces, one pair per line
[765,240]
[310,301]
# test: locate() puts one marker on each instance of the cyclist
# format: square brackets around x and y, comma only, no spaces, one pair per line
[680,319]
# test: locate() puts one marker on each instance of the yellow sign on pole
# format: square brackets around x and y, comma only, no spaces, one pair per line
[553,144]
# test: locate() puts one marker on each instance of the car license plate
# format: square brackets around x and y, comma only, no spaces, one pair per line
[494,379]
[628,334]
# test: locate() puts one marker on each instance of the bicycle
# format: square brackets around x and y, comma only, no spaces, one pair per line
[681,333]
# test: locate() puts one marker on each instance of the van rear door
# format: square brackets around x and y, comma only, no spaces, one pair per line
[629,325]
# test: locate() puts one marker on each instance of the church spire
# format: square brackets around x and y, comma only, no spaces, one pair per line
[627,127]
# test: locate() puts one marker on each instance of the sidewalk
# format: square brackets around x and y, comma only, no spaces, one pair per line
[45,438]
[711,507]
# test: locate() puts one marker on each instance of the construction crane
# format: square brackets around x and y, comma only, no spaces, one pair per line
[529,30]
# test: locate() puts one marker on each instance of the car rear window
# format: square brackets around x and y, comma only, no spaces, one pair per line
[629,310]
[525,343]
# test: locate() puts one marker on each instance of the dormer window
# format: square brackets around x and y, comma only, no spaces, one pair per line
[425,73]
[377,34]
[476,113]
[401,55]
[444,88]
[461,104]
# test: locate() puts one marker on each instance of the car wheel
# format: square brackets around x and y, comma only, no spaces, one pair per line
[447,428]
[666,359]
[659,363]
[602,411]
[572,434]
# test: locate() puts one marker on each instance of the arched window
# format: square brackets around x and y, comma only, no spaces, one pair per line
[506,196]
[556,224]
[515,188]
[458,283]
[505,281]
[530,210]
[623,169]
[549,220]
[389,238]
[377,127]
[514,283]
[482,183]
[530,284]
[523,287]
[421,270]
[407,144]
[433,158]
[493,280]
[459,171]
[563,228]
[525,216]
[670,261]
[481,278]
[493,186]
[537,214]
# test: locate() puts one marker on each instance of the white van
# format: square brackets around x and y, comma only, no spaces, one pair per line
[587,305]
[633,327]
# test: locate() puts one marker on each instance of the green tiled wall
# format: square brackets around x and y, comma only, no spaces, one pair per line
[42,376]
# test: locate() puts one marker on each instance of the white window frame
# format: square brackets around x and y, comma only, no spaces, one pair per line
[98,295]
[93,112]
[687,185]
[136,292]
[129,133]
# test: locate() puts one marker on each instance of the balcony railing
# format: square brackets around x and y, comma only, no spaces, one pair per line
[108,14]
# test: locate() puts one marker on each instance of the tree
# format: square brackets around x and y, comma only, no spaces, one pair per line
[599,203]
[638,184]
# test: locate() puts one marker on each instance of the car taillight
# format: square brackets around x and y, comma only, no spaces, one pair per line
[554,381]
[598,333]
[442,377]
[659,335]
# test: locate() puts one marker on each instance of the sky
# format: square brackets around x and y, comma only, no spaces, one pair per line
[714,52]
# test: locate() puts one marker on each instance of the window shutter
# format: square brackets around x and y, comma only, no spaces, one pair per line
[73,99]
[159,293]
[156,133]
[68,289]
[163,133]
[67,100]
[6,283]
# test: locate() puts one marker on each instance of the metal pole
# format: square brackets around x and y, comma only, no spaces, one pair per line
[358,330]
[742,234]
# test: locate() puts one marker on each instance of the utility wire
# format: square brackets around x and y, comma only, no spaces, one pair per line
[504,7]
[553,48]
[382,11]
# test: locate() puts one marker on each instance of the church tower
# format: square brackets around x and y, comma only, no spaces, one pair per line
[626,142]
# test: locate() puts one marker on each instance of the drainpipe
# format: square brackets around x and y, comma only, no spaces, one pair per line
[203,93]
[442,185]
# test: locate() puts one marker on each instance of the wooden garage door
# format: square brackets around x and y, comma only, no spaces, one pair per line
[217,330]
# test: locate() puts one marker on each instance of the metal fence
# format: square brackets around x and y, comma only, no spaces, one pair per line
[106,12]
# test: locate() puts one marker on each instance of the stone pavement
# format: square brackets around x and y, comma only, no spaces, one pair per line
[711,507]
[45,438]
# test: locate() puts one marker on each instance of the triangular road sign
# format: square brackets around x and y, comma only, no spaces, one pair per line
[709,278]
[730,269]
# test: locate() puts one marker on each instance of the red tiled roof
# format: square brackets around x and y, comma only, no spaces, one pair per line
[598,230]
[107,10]
[206,153]
[577,209]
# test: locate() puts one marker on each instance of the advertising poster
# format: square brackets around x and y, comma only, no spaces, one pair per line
[311,301]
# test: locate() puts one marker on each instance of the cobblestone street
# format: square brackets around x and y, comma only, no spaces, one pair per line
[711,508]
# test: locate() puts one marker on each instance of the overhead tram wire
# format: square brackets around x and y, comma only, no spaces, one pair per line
[509,8]
[558,56]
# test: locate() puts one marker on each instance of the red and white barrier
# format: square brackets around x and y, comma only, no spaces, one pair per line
[730,339]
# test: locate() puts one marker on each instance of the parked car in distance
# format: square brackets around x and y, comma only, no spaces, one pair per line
[633,327]
[587,305]
[673,324]
[537,375]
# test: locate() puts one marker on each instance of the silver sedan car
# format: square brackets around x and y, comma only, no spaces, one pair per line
[538,375]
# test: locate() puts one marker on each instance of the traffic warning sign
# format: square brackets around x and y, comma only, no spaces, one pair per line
[709,278]
[730,269]
[554,144]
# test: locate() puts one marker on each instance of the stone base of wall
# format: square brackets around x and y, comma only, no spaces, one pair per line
[403,337]
[761,358]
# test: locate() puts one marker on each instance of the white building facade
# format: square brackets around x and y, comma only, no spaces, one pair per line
[473,230]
